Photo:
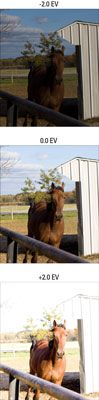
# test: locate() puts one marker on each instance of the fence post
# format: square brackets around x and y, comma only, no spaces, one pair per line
[12,214]
[11,251]
[12,111]
[14,387]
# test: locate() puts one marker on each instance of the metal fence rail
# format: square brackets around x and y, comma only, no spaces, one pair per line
[13,102]
[15,376]
[14,238]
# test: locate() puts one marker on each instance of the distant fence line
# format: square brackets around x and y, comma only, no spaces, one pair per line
[13,76]
[13,212]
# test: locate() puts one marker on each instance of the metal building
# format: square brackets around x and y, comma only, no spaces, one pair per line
[85,36]
[85,172]
[85,309]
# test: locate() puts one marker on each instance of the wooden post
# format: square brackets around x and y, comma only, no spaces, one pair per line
[13,388]
[80,219]
[11,251]
[12,214]
[79,86]
[11,114]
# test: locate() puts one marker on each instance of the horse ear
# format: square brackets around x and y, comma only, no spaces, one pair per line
[63,48]
[54,323]
[65,323]
[52,49]
[51,344]
[63,185]
[52,186]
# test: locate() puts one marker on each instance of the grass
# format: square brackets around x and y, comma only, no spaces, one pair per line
[19,224]
[16,207]
[19,86]
[12,71]
[20,360]
[70,222]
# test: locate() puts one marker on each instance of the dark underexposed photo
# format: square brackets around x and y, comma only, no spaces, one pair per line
[49,204]
[49,73]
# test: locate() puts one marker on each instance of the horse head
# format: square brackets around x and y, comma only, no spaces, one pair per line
[57,62]
[57,198]
[57,343]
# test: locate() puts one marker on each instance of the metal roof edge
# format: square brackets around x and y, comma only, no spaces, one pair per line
[79,158]
[78,22]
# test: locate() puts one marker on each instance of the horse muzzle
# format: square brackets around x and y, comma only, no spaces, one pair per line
[60,354]
[58,217]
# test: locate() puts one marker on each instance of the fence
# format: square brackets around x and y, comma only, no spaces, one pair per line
[57,255]
[15,376]
[13,102]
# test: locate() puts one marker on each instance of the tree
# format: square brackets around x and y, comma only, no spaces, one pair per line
[7,161]
[28,50]
[29,186]
[47,178]
[48,318]
[47,41]
[30,325]
[8,23]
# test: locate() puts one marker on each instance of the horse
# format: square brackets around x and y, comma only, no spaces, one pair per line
[45,82]
[47,358]
[45,220]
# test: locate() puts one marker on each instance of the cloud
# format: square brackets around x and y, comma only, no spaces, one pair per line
[41,20]
[9,19]
[5,155]
[12,24]
[42,156]
[27,167]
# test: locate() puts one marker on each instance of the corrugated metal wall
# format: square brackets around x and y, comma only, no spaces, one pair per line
[86,172]
[86,310]
[86,35]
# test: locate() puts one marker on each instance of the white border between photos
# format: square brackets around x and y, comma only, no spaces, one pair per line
[36,4]
[65,136]
[88,273]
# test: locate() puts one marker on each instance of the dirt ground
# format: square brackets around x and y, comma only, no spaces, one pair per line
[4,396]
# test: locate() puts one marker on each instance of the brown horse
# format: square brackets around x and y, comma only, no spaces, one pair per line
[47,358]
[45,219]
[45,82]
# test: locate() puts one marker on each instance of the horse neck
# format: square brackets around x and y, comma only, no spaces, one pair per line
[53,353]
[51,210]
[53,75]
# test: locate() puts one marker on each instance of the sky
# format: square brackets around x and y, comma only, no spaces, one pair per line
[17,307]
[27,161]
[26,25]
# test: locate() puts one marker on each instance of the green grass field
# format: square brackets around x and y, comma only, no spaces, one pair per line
[19,85]
[18,222]
[20,360]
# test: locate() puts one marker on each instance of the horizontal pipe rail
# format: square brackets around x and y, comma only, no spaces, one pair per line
[13,76]
[33,108]
[49,251]
[46,387]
